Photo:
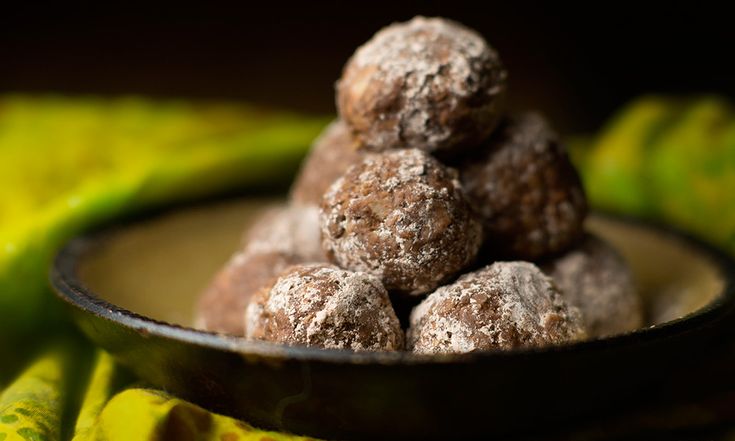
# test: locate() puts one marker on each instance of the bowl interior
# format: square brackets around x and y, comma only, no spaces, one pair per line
[158,267]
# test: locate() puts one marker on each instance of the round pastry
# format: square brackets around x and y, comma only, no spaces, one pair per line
[596,279]
[289,229]
[428,83]
[324,306]
[526,190]
[330,156]
[222,305]
[502,306]
[401,216]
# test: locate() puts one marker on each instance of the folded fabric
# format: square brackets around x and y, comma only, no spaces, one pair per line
[106,379]
[144,414]
[41,404]
[32,408]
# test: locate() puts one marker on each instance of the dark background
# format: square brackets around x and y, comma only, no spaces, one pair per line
[576,63]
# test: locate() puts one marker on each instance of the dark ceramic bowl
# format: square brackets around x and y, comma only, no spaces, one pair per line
[133,287]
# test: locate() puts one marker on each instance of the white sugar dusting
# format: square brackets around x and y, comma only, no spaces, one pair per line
[596,279]
[526,189]
[429,59]
[419,230]
[322,305]
[292,229]
[504,305]
[330,156]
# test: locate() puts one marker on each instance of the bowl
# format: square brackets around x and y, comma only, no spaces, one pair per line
[132,288]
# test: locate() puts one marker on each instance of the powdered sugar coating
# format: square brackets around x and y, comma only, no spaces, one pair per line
[289,229]
[324,306]
[502,306]
[528,193]
[401,216]
[280,237]
[330,156]
[596,279]
[428,83]
[222,305]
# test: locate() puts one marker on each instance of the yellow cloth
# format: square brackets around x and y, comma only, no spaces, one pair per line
[33,407]
[67,164]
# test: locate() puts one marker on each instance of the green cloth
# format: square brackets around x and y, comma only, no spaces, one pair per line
[68,164]
[667,159]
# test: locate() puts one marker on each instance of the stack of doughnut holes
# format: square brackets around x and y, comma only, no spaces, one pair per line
[426,219]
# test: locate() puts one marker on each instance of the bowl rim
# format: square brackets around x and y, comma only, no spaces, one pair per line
[67,284]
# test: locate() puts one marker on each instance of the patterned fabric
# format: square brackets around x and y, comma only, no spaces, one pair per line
[36,406]
[67,164]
